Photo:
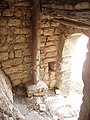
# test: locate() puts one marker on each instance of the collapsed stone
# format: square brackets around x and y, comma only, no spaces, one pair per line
[38,89]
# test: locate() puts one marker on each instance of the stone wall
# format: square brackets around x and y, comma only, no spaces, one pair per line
[56,52]
[15,41]
[49,39]
[57,47]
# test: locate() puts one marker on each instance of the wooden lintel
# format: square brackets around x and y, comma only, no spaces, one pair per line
[35,5]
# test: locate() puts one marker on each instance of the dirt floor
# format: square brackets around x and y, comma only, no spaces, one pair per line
[49,107]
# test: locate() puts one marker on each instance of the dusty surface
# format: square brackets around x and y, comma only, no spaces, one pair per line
[49,107]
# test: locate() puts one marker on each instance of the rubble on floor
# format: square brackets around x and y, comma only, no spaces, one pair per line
[50,106]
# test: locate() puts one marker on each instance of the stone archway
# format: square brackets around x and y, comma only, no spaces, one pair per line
[65,81]
[78,58]
[66,62]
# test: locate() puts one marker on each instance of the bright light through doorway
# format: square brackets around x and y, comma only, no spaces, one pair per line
[79,57]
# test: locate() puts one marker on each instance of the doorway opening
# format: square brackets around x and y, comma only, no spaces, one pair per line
[78,58]
[73,57]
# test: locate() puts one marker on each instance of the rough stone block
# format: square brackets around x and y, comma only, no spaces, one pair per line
[42,107]
[43,38]
[53,37]
[18,53]
[52,75]
[11,70]
[27,59]
[26,52]
[4,49]
[50,59]
[57,92]
[11,54]
[22,31]
[10,39]
[11,63]
[19,75]
[7,12]
[52,66]
[20,39]
[3,31]
[50,49]
[14,22]
[53,84]
[51,54]
[41,94]
[55,23]
[21,67]
[3,22]
[50,43]
[24,80]
[27,66]
[45,23]
[18,13]
[56,31]
[46,69]
[48,31]
[16,82]
[3,56]
[42,31]
[38,89]
[42,72]
[20,46]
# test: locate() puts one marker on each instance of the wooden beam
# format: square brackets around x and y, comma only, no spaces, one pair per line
[35,5]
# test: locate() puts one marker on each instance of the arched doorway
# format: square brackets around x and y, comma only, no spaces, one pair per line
[78,58]
[73,56]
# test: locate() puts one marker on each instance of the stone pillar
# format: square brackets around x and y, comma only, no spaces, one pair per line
[85,107]
[35,4]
